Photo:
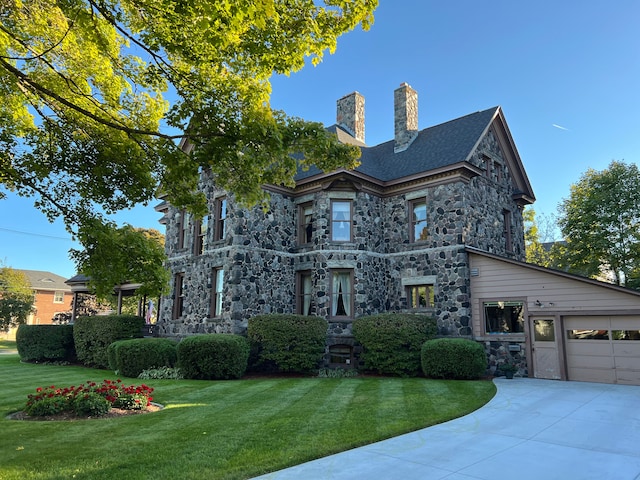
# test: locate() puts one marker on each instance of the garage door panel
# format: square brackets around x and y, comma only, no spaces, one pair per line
[592,375]
[626,363]
[587,323]
[589,347]
[627,349]
[588,361]
[625,323]
[628,377]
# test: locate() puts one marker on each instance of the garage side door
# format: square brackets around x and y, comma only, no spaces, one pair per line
[603,349]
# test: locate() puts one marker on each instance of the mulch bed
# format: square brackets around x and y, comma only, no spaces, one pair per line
[70,416]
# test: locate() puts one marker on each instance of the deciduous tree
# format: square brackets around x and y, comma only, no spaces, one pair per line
[86,125]
[16,298]
[115,255]
[601,223]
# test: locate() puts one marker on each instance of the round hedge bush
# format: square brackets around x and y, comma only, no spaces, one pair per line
[131,357]
[287,343]
[216,356]
[46,343]
[453,358]
[392,342]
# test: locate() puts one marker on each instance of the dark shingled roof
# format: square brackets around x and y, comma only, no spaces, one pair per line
[435,147]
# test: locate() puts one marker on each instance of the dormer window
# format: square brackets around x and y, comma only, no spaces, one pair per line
[341,220]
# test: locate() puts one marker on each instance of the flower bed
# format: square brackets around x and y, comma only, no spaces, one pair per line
[88,399]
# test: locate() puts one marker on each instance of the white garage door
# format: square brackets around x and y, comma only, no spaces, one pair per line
[603,349]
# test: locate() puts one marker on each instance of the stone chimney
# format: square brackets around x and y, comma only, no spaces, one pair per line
[405,102]
[350,115]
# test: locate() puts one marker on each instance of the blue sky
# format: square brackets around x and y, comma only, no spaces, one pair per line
[565,73]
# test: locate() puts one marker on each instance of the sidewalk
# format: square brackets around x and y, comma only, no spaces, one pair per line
[532,429]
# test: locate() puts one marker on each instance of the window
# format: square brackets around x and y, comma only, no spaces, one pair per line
[504,317]
[183,225]
[217,283]
[341,355]
[304,289]
[200,229]
[58,297]
[178,295]
[418,220]
[420,296]
[305,223]
[588,334]
[508,243]
[221,218]
[342,293]
[487,165]
[341,221]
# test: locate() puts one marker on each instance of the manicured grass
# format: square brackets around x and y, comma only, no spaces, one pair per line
[218,429]
[7,345]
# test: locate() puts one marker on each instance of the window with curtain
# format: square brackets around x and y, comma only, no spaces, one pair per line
[342,293]
[305,293]
[217,284]
[341,221]
[418,220]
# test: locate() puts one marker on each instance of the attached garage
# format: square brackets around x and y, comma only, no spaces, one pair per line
[603,348]
[567,327]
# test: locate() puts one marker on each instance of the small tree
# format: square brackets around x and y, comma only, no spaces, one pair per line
[16,298]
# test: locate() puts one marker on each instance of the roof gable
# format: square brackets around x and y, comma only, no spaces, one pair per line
[42,280]
[437,148]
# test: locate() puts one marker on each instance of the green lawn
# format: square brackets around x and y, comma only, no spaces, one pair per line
[222,429]
[7,345]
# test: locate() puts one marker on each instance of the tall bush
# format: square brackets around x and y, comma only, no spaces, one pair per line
[131,357]
[287,343]
[93,335]
[46,343]
[391,342]
[213,356]
[453,358]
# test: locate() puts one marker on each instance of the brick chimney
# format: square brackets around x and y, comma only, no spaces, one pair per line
[350,115]
[405,102]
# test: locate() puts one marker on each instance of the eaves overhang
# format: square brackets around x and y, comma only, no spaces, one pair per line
[342,178]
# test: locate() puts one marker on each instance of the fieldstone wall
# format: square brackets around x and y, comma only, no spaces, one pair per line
[261,257]
[499,352]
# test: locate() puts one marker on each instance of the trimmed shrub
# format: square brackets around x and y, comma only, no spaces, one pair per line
[93,335]
[213,357]
[287,343]
[391,342]
[46,343]
[90,404]
[131,357]
[453,358]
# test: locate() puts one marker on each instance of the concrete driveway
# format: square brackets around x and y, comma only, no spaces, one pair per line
[532,429]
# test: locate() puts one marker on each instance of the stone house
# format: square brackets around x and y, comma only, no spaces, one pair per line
[389,236]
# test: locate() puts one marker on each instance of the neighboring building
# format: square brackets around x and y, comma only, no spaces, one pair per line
[387,236]
[52,296]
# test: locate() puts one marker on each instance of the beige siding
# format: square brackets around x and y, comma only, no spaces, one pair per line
[558,294]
